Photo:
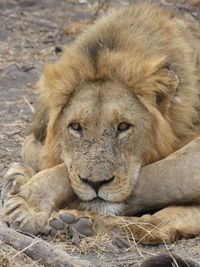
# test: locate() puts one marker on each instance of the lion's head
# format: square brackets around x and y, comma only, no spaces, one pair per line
[104,134]
[111,108]
[104,130]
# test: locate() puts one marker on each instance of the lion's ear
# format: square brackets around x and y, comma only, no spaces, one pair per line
[159,86]
[167,84]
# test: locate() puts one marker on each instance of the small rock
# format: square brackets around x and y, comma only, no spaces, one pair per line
[82,2]
[58,49]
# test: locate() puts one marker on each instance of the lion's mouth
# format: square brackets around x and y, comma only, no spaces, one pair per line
[101,206]
[98,199]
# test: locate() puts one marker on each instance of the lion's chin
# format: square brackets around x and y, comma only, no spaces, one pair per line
[103,207]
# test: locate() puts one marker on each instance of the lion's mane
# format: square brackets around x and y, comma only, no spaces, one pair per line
[150,51]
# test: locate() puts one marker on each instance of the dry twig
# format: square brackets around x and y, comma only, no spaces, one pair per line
[101,5]
[39,250]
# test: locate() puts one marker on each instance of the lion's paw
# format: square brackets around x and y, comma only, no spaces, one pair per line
[17,175]
[75,222]
[19,215]
[150,230]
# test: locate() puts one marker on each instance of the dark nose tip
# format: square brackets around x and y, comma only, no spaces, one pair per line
[96,185]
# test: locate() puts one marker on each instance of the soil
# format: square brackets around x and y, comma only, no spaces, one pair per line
[31,33]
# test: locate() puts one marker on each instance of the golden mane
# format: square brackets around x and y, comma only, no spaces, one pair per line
[150,58]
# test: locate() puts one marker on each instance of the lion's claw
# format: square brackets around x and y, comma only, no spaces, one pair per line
[19,215]
[75,227]
[12,204]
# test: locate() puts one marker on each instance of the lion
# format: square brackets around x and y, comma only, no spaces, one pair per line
[124,95]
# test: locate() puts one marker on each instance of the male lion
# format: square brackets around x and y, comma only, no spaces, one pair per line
[124,94]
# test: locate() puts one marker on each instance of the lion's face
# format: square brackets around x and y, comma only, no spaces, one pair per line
[104,136]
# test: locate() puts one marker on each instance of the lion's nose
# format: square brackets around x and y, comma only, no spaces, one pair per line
[96,185]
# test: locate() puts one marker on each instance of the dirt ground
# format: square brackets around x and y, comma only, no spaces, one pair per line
[31,33]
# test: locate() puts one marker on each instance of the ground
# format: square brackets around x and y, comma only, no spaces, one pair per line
[32,32]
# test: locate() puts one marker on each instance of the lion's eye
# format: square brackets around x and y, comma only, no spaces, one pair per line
[123,126]
[75,126]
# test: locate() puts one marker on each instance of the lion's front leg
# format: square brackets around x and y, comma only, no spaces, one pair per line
[164,226]
[20,173]
[30,208]
[146,229]
[171,181]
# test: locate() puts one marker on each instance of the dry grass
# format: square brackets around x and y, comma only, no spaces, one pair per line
[9,257]
[97,244]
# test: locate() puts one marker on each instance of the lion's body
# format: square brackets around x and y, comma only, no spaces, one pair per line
[125,94]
